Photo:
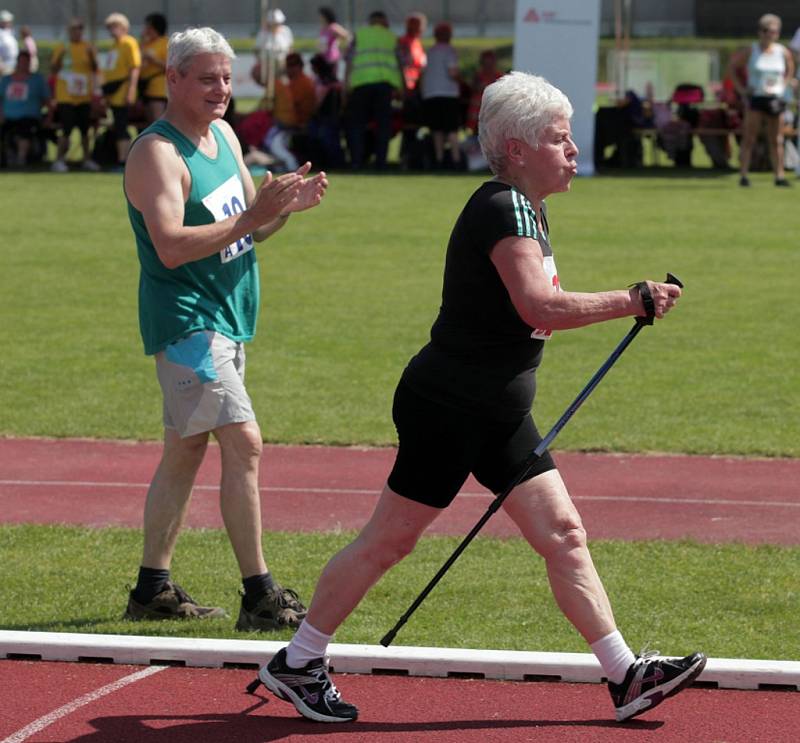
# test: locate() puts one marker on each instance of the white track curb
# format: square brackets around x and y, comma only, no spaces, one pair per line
[726,673]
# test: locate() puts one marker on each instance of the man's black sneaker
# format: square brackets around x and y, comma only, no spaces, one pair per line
[651,679]
[309,689]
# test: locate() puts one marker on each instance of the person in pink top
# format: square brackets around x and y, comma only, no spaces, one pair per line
[330,35]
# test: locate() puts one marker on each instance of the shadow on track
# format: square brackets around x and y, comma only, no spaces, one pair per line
[245,728]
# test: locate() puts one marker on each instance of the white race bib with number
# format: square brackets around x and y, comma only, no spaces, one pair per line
[109,61]
[549,265]
[227,201]
[17,90]
[77,84]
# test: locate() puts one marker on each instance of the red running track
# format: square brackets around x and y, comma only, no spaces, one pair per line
[99,483]
[191,705]
[316,488]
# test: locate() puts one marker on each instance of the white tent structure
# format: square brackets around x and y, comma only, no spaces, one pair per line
[558,41]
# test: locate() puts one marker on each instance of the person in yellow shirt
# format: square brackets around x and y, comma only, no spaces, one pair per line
[295,101]
[152,78]
[73,65]
[120,79]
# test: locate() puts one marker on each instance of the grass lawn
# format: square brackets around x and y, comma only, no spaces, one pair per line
[731,601]
[350,290]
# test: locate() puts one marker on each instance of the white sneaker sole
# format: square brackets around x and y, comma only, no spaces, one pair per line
[281,690]
[654,697]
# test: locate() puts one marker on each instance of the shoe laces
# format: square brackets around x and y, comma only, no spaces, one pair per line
[285,597]
[183,597]
[330,692]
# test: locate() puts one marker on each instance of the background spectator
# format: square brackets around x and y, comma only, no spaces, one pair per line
[275,39]
[769,67]
[28,43]
[153,78]
[412,62]
[120,80]
[73,65]
[295,101]
[331,35]
[440,95]
[9,48]
[373,76]
[486,74]
[324,129]
[23,95]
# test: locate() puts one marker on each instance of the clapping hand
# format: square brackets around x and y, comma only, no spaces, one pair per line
[310,192]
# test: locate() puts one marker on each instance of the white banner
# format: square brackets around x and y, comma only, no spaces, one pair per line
[558,40]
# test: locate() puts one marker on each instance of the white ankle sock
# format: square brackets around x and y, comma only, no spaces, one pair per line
[307,644]
[614,655]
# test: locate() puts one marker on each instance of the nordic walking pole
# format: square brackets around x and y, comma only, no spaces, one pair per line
[537,452]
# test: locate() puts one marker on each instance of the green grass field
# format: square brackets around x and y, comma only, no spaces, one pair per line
[349,293]
[351,288]
[731,601]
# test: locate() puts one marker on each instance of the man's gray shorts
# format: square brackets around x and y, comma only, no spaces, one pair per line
[202,378]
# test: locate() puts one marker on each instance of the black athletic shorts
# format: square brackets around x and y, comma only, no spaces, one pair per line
[768,104]
[439,446]
[71,115]
[442,114]
[121,116]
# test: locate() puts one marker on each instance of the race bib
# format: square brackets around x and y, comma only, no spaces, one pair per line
[110,61]
[540,334]
[226,201]
[17,90]
[773,83]
[77,84]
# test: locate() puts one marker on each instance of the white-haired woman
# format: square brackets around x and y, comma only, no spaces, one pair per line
[463,406]
[761,74]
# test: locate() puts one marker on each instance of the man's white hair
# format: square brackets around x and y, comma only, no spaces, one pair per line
[517,106]
[185,45]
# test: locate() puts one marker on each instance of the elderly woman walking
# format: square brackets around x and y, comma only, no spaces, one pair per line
[463,406]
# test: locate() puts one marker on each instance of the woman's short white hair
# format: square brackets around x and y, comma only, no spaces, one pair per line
[517,106]
[185,45]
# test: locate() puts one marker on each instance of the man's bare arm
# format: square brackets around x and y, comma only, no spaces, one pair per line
[157,184]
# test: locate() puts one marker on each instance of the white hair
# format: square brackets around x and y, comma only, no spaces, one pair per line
[185,45]
[770,19]
[517,106]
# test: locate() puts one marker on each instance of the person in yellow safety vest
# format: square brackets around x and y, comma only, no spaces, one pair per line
[373,77]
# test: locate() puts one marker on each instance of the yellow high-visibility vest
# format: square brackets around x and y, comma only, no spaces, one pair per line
[374,59]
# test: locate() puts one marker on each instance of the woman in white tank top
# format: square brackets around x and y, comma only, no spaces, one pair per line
[767,67]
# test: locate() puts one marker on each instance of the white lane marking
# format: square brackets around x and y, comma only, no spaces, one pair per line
[38,725]
[360,491]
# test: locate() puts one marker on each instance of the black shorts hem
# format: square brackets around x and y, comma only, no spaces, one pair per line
[440,446]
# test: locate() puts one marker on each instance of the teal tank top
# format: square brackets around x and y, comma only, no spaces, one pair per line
[219,292]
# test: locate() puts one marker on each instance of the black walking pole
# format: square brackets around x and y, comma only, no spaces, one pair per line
[537,452]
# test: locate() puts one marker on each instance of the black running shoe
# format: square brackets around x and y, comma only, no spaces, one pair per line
[309,689]
[651,679]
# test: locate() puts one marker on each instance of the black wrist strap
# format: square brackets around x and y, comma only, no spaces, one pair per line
[647,301]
